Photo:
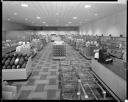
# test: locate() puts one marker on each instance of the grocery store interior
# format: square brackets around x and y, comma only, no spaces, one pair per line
[64,50]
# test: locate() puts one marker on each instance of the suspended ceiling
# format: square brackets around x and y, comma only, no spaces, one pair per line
[57,13]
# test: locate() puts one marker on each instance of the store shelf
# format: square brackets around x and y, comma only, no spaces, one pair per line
[9,49]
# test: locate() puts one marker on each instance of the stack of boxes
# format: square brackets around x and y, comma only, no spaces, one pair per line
[59,49]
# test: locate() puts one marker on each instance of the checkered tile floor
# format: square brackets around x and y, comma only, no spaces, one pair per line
[43,82]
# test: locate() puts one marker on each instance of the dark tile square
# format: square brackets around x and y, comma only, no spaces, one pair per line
[54,62]
[35,61]
[36,99]
[51,94]
[18,86]
[53,73]
[33,65]
[24,94]
[42,59]
[45,70]
[53,67]
[43,77]
[47,65]
[52,81]
[39,67]
[30,82]
[34,73]
[40,88]
[41,63]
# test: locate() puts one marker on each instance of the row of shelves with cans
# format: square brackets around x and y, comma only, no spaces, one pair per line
[115,45]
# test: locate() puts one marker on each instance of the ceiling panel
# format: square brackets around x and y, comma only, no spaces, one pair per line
[57,13]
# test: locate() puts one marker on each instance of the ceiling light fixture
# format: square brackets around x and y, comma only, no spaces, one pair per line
[87,6]
[15,13]
[38,17]
[57,13]
[96,14]
[43,22]
[69,22]
[26,19]
[24,5]
[9,19]
[74,17]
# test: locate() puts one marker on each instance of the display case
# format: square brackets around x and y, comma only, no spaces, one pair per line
[17,73]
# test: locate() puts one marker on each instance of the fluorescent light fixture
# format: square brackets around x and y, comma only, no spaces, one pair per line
[96,14]
[69,22]
[38,17]
[74,17]
[24,5]
[57,13]
[15,13]
[26,19]
[87,6]
[43,22]
[9,19]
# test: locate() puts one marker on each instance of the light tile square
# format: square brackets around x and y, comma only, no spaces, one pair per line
[42,82]
[50,87]
[42,95]
[33,87]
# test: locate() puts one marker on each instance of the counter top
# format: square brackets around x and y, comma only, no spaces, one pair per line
[118,67]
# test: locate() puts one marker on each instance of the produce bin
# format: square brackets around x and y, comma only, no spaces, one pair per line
[17,74]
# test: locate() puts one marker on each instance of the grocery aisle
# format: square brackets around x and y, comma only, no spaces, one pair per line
[43,82]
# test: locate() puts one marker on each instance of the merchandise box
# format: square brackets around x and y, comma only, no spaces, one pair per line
[17,74]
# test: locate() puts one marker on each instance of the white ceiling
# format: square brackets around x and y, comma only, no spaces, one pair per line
[47,11]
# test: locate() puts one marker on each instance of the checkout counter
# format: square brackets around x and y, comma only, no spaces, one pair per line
[113,76]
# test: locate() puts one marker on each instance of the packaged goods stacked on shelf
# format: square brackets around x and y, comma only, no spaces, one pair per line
[16,66]
[80,80]
[79,44]
[84,44]
[116,45]
[36,43]
[9,46]
[24,48]
[59,49]
[44,42]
